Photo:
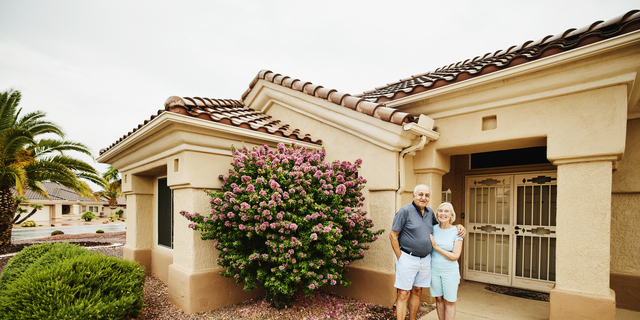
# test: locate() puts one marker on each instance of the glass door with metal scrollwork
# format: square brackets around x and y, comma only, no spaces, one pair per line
[511,224]
[489,229]
[535,232]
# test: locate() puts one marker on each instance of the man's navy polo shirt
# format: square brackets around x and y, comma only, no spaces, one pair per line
[414,229]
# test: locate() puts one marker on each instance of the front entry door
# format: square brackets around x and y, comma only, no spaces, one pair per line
[511,223]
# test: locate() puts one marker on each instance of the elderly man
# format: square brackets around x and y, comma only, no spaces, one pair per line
[411,244]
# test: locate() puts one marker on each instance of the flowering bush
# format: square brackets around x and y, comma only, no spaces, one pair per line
[287,221]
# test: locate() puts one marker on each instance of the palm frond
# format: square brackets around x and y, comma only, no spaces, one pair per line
[9,111]
[12,140]
[111,174]
[13,176]
[47,146]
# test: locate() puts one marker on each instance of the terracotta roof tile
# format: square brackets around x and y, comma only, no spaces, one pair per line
[375,110]
[229,112]
[502,59]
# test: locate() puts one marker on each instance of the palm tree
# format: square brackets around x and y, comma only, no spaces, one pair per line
[26,160]
[35,207]
[112,189]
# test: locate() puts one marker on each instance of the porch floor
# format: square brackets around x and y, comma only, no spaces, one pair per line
[477,303]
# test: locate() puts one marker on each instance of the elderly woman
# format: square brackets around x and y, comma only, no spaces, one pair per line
[445,273]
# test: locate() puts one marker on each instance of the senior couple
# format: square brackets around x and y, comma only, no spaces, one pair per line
[427,247]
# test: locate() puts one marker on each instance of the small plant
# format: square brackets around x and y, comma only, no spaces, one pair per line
[56,232]
[99,231]
[112,218]
[287,221]
[74,283]
[119,213]
[88,216]
[29,223]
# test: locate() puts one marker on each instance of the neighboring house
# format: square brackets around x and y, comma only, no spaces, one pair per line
[539,145]
[63,202]
[122,205]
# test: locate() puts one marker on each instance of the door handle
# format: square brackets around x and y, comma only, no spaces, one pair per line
[517,228]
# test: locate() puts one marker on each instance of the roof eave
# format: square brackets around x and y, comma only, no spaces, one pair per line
[594,49]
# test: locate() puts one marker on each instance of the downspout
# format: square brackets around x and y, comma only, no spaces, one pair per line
[401,175]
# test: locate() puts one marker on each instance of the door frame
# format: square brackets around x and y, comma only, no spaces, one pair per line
[510,279]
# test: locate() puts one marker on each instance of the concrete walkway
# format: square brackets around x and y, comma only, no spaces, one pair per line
[477,303]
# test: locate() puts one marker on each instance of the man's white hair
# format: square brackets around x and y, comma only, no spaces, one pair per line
[420,185]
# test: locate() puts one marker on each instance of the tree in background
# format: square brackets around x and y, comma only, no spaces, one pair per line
[112,187]
[26,159]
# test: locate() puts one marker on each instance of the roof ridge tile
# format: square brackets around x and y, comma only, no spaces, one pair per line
[514,55]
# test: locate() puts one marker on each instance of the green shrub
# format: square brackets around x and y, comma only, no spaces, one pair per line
[99,231]
[82,287]
[88,215]
[36,257]
[21,261]
[112,218]
[287,221]
[29,223]
[56,232]
[119,213]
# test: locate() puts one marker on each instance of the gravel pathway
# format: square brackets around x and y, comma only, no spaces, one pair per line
[157,305]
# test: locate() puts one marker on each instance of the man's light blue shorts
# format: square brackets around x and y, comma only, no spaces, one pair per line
[444,282]
[412,271]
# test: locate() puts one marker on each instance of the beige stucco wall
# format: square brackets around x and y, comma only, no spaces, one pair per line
[190,252]
[627,170]
[625,211]
[625,243]
[379,167]
[583,227]
[575,125]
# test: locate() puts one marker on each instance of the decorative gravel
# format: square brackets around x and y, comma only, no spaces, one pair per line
[157,306]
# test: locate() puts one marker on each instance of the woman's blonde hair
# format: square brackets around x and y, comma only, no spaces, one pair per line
[453,212]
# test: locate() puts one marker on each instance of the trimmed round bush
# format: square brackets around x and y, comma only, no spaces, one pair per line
[99,231]
[29,223]
[88,216]
[21,261]
[36,257]
[88,286]
[56,232]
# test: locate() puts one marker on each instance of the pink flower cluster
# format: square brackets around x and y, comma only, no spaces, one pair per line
[285,218]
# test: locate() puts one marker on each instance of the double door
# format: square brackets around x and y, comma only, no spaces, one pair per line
[511,224]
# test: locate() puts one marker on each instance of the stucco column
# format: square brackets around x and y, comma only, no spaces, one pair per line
[57,212]
[195,283]
[140,206]
[583,241]
[189,251]
[429,165]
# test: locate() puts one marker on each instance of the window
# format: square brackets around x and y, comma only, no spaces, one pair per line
[93,209]
[446,196]
[165,214]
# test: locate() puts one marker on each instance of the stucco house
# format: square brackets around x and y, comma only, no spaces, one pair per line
[63,202]
[536,145]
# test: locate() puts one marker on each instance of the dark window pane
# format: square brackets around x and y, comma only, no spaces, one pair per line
[165,214]
[506,158]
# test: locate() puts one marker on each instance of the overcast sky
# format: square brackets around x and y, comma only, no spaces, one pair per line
[100,68]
